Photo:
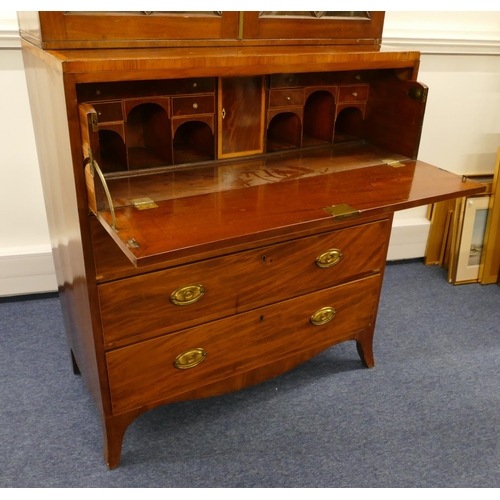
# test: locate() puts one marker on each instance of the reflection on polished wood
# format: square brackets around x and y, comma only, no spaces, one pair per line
[233,216]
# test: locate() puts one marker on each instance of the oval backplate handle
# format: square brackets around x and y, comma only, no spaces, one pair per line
[329,258]
[186,295]
[190,358]
[323,316]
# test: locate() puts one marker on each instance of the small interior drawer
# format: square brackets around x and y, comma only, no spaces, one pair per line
[282,80]
[235,283]
[193,105]
[289,97]
[353,93]
[109,111]
[190,86]
[166,366]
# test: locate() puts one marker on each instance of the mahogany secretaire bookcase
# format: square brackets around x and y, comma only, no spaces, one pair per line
[220,189]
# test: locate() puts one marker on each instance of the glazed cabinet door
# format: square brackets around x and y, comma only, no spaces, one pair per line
[99,29]
[241,116]
[334,27]
[73,29]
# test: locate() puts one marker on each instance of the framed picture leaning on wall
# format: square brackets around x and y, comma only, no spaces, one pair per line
[474,216]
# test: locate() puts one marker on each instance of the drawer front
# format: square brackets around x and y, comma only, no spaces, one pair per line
[146,372]
[353,93]
[109,111]
[142,306]
[189,86]
[108,91]
[283,80]
[281,98]
[193,105]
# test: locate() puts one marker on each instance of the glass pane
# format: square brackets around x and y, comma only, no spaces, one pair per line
[148,13]
[476,246]
[316,14]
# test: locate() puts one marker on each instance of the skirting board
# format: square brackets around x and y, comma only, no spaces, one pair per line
[408,238]
[26,271]
[32,270]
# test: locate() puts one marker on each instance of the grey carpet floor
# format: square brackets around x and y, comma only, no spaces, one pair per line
[427,415]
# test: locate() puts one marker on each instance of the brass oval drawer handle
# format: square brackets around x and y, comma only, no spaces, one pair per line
[355,94]
[323,316]
[190,359]
[195,105]
[329,258]
[187,295]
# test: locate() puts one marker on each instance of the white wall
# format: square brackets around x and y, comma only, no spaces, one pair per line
[26,264]
[460,63]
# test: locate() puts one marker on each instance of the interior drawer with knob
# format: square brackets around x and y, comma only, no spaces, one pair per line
[283,98]
[193,105]
[353,93]
[109,111]
[161,368]
[145,306]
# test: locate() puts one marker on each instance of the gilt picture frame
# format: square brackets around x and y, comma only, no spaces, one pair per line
[490,261]
[471,239]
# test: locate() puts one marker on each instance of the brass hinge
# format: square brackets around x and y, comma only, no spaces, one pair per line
[342,211]
[95,123]
[132,243]
[392,163]
[91,163]
[143,203]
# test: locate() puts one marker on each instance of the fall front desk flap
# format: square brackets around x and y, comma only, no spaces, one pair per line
[164,213]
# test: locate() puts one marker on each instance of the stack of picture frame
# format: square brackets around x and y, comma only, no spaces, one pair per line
[464,235]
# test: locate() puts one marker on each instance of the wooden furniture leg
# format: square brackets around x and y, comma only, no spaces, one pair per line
[114,428]
[364,345]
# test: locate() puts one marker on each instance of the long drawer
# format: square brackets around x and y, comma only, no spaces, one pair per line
[169,300]
[160,368]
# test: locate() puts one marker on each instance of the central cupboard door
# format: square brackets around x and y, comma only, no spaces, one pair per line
[241,116]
